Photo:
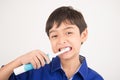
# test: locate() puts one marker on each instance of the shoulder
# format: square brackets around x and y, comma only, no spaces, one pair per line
[93,75]
[87,72]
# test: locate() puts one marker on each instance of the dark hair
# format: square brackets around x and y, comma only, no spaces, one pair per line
[66,14]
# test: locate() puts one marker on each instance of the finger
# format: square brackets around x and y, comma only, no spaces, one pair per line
[33,64]
[46,58]
[38,64]
[41,59]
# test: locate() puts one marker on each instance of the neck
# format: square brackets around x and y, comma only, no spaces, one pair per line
[70,66]
[69,62]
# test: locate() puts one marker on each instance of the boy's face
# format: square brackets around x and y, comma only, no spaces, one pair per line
[66,35]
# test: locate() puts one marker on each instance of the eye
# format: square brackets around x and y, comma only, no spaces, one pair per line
[69,33]
[54,36]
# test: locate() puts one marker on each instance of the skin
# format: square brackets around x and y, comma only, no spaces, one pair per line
[36,57]
[67,36]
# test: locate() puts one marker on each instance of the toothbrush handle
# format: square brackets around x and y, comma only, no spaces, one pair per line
[23,68]
[26,67]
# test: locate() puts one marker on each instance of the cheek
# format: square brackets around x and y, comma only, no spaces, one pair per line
[53,46]
[76,42]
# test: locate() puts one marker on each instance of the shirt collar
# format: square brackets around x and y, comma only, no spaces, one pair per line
[83,70]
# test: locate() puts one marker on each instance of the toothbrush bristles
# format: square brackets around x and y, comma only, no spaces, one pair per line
[63,51]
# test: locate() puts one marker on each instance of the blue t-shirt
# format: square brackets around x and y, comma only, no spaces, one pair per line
[53,71]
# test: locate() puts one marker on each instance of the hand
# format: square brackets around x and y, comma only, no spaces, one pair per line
[36,57]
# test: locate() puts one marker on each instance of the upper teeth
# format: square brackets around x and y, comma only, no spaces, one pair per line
[64,48]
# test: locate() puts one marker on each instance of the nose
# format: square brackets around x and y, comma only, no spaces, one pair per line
[62,40]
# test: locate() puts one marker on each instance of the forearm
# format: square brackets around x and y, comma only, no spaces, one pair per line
[7,70]
[36,57]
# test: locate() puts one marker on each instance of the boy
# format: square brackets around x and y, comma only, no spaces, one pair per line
[65,28]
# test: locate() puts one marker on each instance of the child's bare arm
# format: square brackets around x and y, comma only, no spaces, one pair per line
[37,58]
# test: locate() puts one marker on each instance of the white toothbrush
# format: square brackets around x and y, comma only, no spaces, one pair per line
[27,67]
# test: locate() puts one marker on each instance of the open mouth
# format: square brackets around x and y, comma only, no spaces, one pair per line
[70,48]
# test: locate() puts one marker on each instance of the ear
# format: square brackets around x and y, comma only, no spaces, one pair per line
[84,35]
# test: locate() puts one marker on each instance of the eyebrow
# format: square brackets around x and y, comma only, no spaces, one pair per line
[52,31]
[68,28]
[63,29]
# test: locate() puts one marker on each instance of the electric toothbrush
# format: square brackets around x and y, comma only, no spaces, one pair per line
[27,67]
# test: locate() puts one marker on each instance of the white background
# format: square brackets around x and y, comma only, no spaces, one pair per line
[22,29]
